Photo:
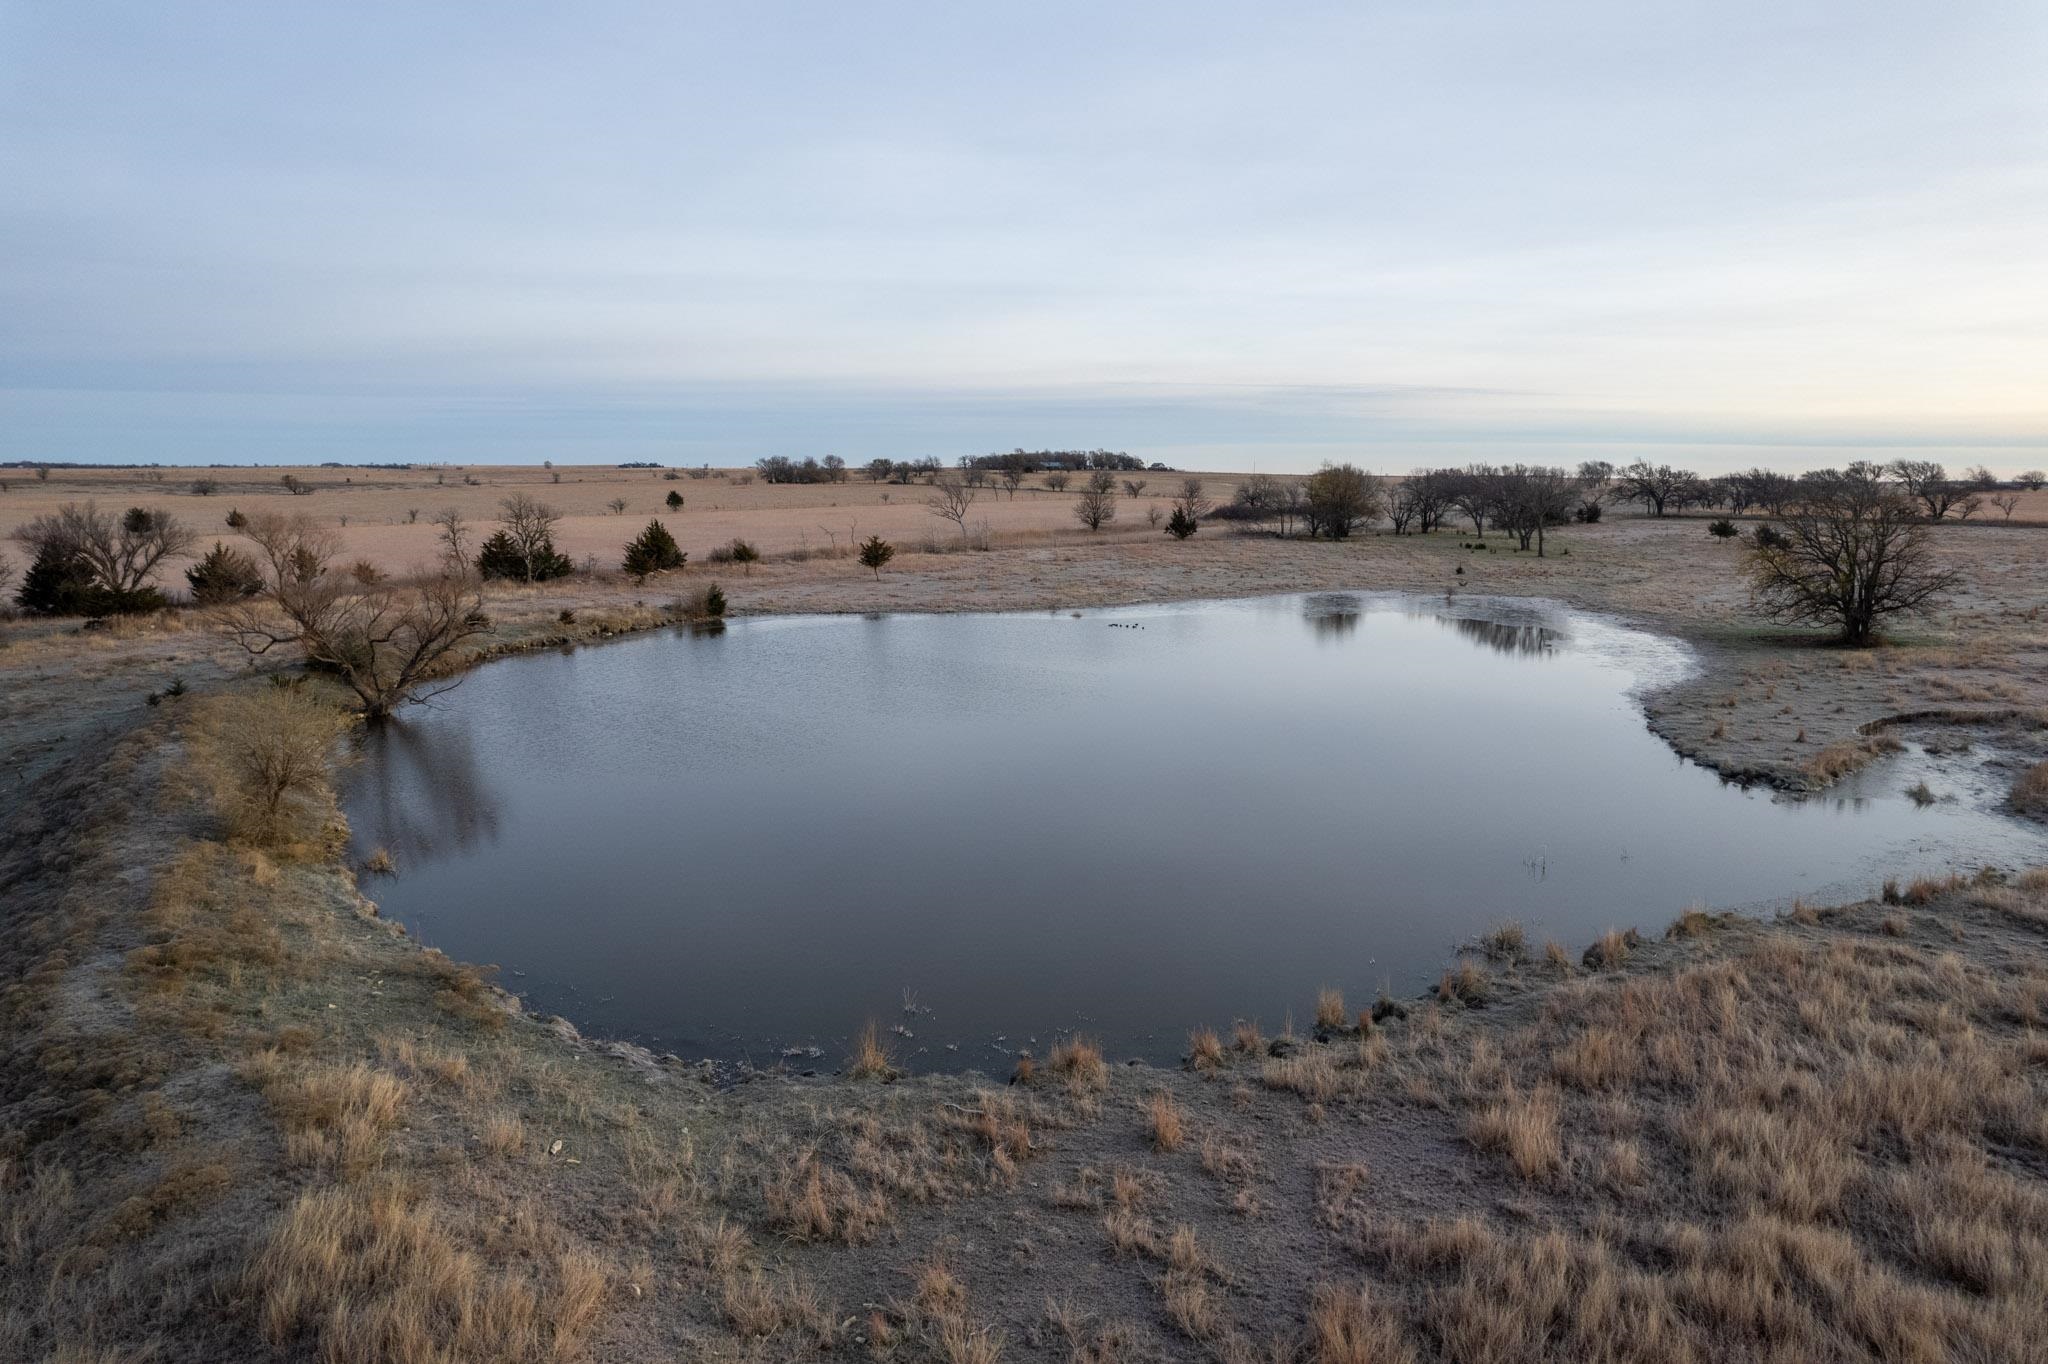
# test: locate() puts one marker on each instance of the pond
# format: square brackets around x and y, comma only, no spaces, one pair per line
[984,830]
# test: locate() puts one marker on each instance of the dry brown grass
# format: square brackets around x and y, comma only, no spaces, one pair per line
[1557,958]
[1246,1039]
[1524,1127]
[870,1059]
[2030,790]
[1609,950]
[1505,941]
[1205,1049]
[1164,1122]
[1351,1326]
[1077,1061]
[1837,760]
[333,1115]
[377,1271]
[1464,983]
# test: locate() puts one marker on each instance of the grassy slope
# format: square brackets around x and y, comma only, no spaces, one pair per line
[245,1115]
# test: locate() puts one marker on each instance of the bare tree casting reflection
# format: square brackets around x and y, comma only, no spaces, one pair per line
[1505,637]
[420,796]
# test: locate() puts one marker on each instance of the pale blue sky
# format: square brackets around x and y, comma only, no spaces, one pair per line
[1218,235]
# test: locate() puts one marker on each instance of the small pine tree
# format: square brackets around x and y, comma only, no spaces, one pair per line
[714,601]
[653,550]
[674,499]
[1180,525]
[1723,529]
[744,553]
[223,575]
[874,552]
[236,520]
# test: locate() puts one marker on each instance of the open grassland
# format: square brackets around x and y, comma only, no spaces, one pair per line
[243,1117]
[1765,703]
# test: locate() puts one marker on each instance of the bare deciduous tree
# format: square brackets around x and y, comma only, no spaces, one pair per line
[1340,498]
[387,641]
[950,499]
[2006,502]
[454,535]
[530,522]
[1534,497]
[1659,487]
[1096,507]
[1852,553]
[120,553]
[1057,480]
[2033,480]
[1927,483]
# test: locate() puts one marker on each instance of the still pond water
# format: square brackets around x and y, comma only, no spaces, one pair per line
[985,830]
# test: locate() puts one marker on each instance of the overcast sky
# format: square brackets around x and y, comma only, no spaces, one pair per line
[1221,236]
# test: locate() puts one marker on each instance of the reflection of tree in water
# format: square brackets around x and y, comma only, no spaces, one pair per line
[1334,615]
[1504,637]
[420,795]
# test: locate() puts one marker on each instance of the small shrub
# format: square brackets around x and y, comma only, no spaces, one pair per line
[1723,529]
[1180,525]
[674,498]
[236,519]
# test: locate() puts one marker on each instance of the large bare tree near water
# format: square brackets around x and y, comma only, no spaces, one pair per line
[389,642]
[1853,552]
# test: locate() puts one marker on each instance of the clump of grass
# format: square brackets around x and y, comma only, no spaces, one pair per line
[1078,1062]
[1205,1049]
[1524,1127]
[1557,958]
[1348,1326]
[1921,794]
[1164,1122]
[1467,983]
[1692,923]
[1330,1013]
[1837,760]
[377,1271]
[1246,1039]
[503,1135]
[1609,950]
[1504,941]
[2030,791]
[870,1059]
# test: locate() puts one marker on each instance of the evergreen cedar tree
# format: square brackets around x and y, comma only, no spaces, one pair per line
[653,550]
[500,558]
[874,552]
